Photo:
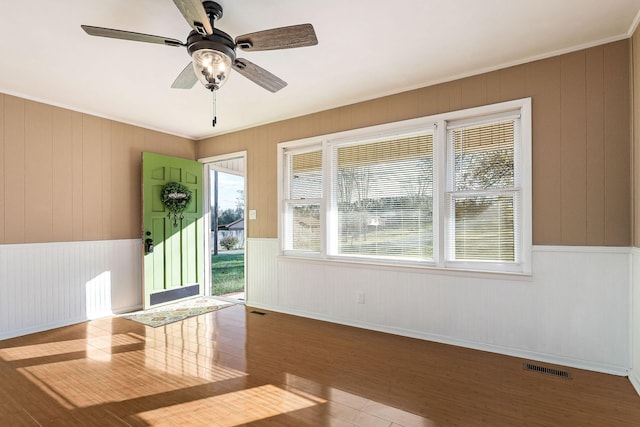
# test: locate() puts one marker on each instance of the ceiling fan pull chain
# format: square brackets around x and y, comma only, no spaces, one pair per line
[215,119]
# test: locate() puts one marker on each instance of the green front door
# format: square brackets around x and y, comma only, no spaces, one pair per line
[173,248]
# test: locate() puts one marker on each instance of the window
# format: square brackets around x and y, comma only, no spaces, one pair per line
[483,193]
[382,194]
[448,191]
[303,200]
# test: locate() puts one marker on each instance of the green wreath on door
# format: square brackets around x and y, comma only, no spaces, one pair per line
[176,197]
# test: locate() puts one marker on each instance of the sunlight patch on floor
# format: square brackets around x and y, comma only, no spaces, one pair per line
[230,409]
[353,409]
[84,382]
[65,347]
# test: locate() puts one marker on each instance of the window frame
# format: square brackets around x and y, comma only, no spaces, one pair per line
[284,188]
[440,213]
[451,194]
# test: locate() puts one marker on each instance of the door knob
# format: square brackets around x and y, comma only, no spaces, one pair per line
[148,244]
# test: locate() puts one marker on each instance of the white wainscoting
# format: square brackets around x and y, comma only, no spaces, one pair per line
[634,373]
[574,310]
[47,285]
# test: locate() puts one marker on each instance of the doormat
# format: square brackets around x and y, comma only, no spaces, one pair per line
[171,313]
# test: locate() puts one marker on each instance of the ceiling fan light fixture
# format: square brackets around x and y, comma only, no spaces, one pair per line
[212,67]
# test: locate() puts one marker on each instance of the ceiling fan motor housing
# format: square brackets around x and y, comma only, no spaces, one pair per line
[219,41]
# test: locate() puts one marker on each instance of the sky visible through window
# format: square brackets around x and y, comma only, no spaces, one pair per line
[228,187]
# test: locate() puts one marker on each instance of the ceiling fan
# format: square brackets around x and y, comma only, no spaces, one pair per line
[213,52]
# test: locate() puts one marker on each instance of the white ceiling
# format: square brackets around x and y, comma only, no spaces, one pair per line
[367,48]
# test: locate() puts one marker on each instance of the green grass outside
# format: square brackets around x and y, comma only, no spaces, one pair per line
[227,273]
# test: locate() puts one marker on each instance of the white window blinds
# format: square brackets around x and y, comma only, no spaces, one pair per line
[383,195]
[483,192]
[303,199]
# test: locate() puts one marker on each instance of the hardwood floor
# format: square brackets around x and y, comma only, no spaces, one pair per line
[233,367]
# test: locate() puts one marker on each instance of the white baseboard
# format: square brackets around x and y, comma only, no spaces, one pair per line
[635,382]
[124,310]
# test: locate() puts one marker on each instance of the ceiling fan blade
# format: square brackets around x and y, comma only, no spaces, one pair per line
[186,79]
[258,75]
[279,38]
[129,35]
[196,16]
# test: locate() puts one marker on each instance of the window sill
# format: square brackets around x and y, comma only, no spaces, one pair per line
[408,268]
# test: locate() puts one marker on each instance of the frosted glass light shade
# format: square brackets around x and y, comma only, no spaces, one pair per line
[211,67]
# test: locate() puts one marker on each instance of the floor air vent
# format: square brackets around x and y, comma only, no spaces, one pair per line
[258,312]
[548,371]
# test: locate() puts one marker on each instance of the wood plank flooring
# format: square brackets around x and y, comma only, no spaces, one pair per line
[233,367]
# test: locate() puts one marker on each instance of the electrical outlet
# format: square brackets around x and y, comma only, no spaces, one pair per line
[360,298]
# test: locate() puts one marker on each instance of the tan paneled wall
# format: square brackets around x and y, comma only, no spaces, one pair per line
[581,140]
[68,176]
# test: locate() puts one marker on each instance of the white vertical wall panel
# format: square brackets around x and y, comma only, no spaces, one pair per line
[261,272]
[580,308]
[574,310]
[43,286]
[634,373]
